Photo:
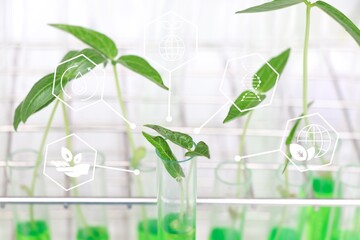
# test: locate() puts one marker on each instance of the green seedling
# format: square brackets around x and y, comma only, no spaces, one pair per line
[318,231]
[102,50]
[167,156]
[268,81]
[334,13]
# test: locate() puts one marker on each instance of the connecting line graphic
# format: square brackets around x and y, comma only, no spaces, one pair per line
[238,158]
[135,172]
[132,125]
[197,130]
[169,117]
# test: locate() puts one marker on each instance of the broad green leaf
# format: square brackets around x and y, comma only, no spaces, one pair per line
[169,160]
[69,55]
[271,6]
[139,154]
[341,18]
[243,104]
[267,75]
[201,150]
[142,67]
[94,39]
[181,139]
[41,95]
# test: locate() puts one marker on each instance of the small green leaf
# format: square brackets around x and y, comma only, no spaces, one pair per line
[139,154]
[201,150]
[94,39]
[26,189]
[169,160]
[267,75]
[271,6]
[41,95]
[181,139]
[246,104]
[17,117]
[341,18]
[142,67]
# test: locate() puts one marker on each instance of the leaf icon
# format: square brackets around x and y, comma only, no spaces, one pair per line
[298,152]
[66,154]
[311,153]
[78,158]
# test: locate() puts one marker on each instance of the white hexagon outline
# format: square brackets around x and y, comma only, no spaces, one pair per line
[87,105]
[261,105]
[59,140]
[333,150]
[185,20]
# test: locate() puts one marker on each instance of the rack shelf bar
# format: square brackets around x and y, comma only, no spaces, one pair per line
[200,201]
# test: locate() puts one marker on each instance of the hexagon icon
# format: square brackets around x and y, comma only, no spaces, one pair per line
[84,88]
[170,41]
[66,167]
[314,142]
[240,82]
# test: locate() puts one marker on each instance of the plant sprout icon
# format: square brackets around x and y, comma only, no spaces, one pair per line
[251,83]
[71,166]
[313,141]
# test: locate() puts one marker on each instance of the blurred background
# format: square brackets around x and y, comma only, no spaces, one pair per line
[30,49]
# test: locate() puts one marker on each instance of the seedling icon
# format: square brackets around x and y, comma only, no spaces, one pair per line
[71,166]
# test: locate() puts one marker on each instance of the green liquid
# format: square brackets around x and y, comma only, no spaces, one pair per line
[349,235]
[93,233]
[284,234]
[175,227]
[319,219]
[147,230]
[223,233]
[32,230]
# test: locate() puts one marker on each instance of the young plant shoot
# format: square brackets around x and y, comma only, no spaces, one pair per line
[102,51]
[323,185]
[167,156]
[334,13]
[269,77]
[176,182]
[268,80]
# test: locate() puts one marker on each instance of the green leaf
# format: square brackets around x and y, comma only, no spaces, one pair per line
[169,160]
[341,18]
[17,116]
[247,104]
[271,6]
[201,150]
[41,95]
[267,75]
[139,154]
[94,39]
[181,139]
[142,67]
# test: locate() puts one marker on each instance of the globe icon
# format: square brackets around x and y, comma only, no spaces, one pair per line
[314,135]
[172,48]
